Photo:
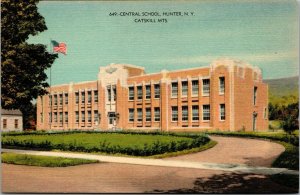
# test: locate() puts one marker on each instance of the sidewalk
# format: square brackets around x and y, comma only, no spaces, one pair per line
[161,162]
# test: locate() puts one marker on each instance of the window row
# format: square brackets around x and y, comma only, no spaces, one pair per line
[140,95]
[139,112]
[89,97]
[4,122]
[63,116]
[60,99]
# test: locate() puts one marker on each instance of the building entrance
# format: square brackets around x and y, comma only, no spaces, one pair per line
[111,120]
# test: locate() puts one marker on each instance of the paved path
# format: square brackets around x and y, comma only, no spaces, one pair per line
[161,162]
[252,152]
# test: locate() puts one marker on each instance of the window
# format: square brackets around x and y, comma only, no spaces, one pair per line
[184,88]
[77,97]
[66,117]
[148,91]
[109,93]
[174,89]
[50,117]
[55,117]
[42,118]
[82,97]
[77,116]
[131,114]
[66,98]
[206,112]
[16,123]
[50,100]
[89,116]
[195,113]
[185,113]
[156,91]
[148,114]
[139,92]
[96,117]
[131,93]
[4,123]
[114,93]
[89,96]
[82,116]
[206,87]
[221,85]
[265,113]
[96,96]
[60,99]
[156,114]
[60,117]
[222,112]
[195,88]
[139,114]
[254,95]
[174,113]
[55,100]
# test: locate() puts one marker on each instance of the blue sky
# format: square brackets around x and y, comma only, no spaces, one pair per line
[263,33]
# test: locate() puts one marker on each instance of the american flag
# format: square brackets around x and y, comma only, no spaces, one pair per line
[59,47]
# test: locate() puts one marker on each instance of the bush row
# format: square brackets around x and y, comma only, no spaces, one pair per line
[105,147]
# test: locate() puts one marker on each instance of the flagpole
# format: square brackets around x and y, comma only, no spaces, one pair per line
[50,89]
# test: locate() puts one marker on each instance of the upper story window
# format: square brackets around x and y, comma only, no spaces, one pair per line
[114,90]
[66,98]
[76,97]
[148,114]
[139,114]
[185,113]
[96,96]
[206,112]
[50,100]
[174,89]
[222,112]
[131,93]
[60,99]
[83,97]
[55,100]
[89,96]
[195,87]
[174,113]
[157,114]
[156,91]
[184,88]
[131,114]
[109,93]
[206,87]
[195,112]
[148,91]
[221,85]
[254,95]
[139,92]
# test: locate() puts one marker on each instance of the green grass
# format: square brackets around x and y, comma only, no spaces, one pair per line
[129,143]
[288,159]
[42,161]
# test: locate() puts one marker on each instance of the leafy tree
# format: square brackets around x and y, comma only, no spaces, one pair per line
[23,65]
[290,118]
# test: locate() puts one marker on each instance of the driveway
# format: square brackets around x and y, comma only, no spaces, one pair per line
[251,152]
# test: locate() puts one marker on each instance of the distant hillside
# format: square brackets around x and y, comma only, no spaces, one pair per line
[283,87]
[283,91]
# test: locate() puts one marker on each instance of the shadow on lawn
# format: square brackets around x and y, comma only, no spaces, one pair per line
[233,183]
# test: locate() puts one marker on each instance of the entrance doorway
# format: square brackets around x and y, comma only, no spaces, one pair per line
[111,119]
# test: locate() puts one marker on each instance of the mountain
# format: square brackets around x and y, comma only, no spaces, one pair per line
[283,86]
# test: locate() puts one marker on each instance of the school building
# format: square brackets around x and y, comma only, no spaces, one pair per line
[226,95]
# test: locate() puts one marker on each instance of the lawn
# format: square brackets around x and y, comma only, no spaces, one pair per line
[42,161]
[129,143]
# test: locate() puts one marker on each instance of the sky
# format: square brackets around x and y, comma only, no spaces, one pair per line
[262,33]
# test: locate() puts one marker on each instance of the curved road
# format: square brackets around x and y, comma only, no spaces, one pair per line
[252,152]
[129,178]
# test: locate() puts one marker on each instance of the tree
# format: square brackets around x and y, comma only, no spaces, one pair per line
[23,68]
[290,118]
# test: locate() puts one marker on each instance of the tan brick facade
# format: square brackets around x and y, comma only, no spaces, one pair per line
[227,95]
